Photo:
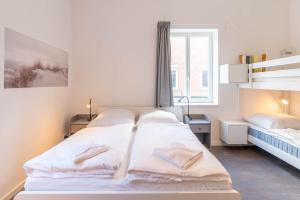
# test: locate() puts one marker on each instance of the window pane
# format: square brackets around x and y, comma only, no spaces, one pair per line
[204,79]
[178,53]
[174,78]
[199,66]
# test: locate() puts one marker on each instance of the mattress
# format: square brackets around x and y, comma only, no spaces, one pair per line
[275,141]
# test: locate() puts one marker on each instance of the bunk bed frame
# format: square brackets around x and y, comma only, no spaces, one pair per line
[278,74]
[285,78]
[293,161]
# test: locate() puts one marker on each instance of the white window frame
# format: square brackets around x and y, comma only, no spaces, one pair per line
[213,78]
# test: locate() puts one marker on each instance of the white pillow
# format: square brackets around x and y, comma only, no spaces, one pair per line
[158,116]
[274,121]
[112,117]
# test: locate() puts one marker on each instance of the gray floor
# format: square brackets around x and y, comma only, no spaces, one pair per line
[258,175]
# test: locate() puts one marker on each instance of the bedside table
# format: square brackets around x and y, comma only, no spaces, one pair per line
[200,124]
[79,122]
[234,132]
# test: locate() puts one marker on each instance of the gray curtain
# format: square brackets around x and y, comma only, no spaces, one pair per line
[164,92]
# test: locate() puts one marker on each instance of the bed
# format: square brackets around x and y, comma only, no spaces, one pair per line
[125,185]
[280,139]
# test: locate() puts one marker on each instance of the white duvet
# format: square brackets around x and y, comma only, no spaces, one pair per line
[145,167]
[58,162]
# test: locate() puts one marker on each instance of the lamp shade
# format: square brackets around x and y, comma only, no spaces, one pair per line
[284,101]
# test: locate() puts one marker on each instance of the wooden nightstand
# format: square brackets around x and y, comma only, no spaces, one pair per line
[79,122]
[201,126]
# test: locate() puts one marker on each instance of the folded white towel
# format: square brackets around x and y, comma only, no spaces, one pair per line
[89,151]
[178,155]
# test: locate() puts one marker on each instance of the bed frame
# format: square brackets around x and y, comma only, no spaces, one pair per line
[132,195]
[278,74]
[70,195]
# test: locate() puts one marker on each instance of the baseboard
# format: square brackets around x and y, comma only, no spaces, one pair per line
[217,143]
[221,144]
[14,191]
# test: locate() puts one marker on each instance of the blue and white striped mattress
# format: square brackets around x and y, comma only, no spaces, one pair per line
[275,142]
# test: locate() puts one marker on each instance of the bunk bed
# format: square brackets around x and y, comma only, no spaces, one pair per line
[277,74]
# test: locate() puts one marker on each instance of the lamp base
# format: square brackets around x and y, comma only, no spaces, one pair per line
[91,117]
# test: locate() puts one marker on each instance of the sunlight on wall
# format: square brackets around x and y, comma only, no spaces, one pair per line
[295,103]
[259,101]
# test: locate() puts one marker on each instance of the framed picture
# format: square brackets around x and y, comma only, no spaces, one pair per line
[32,63]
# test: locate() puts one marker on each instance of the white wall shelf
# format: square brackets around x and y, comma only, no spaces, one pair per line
[233,74]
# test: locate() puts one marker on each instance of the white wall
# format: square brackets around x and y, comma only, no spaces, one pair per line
[295,25]
[295,105]
[259,101]
[114,45]
[32,119]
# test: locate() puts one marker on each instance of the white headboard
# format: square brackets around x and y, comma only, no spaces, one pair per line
[176,110]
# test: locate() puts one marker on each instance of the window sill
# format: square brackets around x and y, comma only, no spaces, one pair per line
[196,104]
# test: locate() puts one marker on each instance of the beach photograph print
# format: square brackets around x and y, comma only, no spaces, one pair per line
[31,63]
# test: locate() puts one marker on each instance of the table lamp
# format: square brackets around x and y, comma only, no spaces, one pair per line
[188,101]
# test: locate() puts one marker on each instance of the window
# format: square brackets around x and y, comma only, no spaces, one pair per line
[174,74]
[204,80]
[193,59]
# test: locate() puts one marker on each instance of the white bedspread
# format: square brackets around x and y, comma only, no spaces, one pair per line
[144,166]
[58,162]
